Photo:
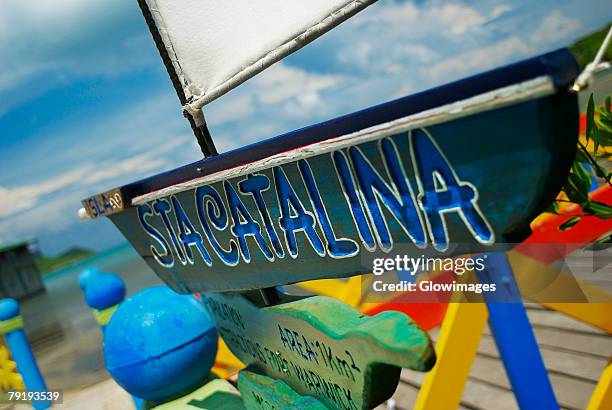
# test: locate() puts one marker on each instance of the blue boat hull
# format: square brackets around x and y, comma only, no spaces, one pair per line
[402,178]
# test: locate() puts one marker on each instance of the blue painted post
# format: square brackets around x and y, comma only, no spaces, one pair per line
[86,275]
[103,294]
[11,326]
[514,337]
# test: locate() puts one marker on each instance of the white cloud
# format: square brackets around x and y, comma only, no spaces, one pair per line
[282,88]
[360,54]
[232,108]
[407,16]
[128,130]
[81,178]
[554,27]
[282,82]
[282,98]
[459,18]
[399,39]
[52,217]
[481,59]
[499,10]
[21,198]
[14,202]
[404,90]
[49,206]
[138,165]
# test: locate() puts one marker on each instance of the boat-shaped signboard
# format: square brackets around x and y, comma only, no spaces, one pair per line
[471,162]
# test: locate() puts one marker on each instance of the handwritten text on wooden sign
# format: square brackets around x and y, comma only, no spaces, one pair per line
[264,393]
[322,347]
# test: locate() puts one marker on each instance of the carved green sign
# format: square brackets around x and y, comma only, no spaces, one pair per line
[263,393]
[215,394]
[322,347]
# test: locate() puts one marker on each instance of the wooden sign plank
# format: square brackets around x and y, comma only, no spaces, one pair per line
[322,347]
[470,163]
[264,393]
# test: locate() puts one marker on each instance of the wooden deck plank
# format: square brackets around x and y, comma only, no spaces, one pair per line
[484,396]
[405,398]
[550,318]
[571,392]
[476,395]
[559,359]
[589,344]
[580,366]
[488,381]
[411,377]
[569,363]
[574,353]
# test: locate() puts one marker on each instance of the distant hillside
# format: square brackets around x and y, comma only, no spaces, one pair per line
[585,48]
[48,264]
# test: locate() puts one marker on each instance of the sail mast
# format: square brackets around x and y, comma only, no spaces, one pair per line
[208,49]
[196,119]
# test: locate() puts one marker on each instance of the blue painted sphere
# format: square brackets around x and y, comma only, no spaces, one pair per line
[104,290]
[9,308]
[160,344]
[86,275]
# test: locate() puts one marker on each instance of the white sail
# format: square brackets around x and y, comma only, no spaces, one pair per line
[214,46]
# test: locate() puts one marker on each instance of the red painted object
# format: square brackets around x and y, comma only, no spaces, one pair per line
[547,230]
[419,305]
[427,315]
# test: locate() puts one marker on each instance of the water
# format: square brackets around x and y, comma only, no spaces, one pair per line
[65,337]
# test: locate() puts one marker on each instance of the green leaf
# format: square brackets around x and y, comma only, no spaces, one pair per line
[583,173]
[590,118]
[597,169]
[605,137]
[605,116]
[553,208]
[595,141]
[604,239]
[605,155]
[573,191]
[605,128]
[605,121]
[608,104]
[599,207]
[569,223]
[581,156]
[581,180]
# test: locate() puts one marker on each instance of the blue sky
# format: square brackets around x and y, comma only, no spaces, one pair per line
[86,104]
